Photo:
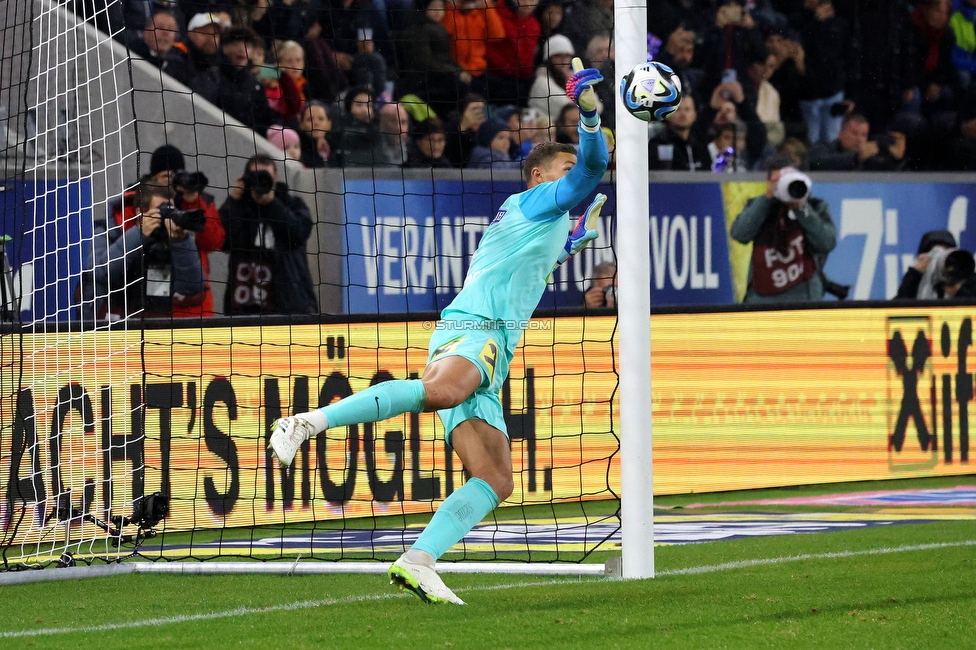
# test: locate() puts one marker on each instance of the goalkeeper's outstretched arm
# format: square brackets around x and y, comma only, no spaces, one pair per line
[593,155]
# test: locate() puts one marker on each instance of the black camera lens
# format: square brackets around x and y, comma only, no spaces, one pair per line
[259,180]
[797,189]
[190,181]
[194,220]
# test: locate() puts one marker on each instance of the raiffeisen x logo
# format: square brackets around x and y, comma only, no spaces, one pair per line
[911,407]
[914,395]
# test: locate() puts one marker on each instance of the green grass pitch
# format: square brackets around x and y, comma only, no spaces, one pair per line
[904,586]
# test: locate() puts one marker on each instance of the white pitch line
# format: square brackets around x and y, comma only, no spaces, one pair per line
[189,618]
[245,611]
[812,556]
[327,602]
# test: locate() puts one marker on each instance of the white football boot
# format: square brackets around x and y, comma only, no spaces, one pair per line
[288,435]
[421,579]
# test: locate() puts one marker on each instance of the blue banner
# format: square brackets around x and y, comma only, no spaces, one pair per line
[408,244]
[46,223]
[689,246]
[879,226]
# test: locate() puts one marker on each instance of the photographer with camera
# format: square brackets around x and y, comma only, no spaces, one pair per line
[153,268]
[267,231]
[941,270]
[602,291]
[791,232]
[186,191]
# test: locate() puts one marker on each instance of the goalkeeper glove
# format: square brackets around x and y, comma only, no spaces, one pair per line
[584,232]
[579,88]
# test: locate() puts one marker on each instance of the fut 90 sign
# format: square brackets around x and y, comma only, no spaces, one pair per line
[743,400]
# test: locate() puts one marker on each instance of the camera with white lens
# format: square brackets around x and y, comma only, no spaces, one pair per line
[793,186]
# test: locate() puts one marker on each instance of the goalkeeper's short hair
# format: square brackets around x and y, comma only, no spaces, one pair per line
[543,154]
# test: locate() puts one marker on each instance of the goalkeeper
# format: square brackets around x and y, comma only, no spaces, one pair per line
[476,338]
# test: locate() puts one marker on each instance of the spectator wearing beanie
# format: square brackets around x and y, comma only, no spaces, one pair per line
[287,140]
[493,150]
[426,149]
[548,92]
[164,164]
[167,160]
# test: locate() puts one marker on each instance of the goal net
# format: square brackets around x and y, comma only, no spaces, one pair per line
[131,432]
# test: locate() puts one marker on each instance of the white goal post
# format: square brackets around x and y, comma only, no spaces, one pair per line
[634,312]
[82,124]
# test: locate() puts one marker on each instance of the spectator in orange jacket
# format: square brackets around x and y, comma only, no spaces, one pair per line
[470,24]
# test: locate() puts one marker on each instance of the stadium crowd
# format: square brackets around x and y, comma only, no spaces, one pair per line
[833,84]
[821,85]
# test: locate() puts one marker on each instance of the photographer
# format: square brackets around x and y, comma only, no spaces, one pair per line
[267,230]
[602,291]
[959,273]
[153,268]
[928,278]
[791,233]
[185,190]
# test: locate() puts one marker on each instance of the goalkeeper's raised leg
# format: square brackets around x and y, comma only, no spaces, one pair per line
[475,340]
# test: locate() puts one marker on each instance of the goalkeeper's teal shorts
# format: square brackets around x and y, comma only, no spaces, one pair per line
[487,347]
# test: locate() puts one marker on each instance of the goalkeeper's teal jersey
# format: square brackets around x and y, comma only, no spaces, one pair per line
[508,274]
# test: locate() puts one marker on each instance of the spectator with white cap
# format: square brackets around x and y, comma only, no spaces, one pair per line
[548,92]
[197,54]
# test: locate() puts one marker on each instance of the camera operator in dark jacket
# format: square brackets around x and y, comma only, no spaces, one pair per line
[153,268]
[941,271]
[267,230]
[924,280]
[959,272]
[791,233]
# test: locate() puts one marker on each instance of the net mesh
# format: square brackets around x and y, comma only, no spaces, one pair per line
[111,410]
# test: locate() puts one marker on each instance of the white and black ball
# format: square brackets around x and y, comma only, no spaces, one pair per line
[651,91]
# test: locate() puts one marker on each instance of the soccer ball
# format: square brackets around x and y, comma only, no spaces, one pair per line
[651,91]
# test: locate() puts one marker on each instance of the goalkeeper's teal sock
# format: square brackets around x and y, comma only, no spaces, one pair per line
[456,517]
[377,403]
